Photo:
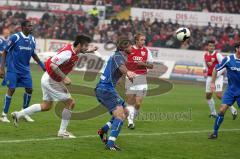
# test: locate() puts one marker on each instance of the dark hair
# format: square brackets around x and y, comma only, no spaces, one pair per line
[237,45]
[122,43]
[24,23]
[81,39]
[210,42]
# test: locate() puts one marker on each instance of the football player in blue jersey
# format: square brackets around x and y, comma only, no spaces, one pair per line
[20,48]
[232,92]
[3,40]
[108,96]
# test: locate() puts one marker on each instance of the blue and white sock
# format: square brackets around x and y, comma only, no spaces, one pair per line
[7,102]
[115,130]
[218,122]
[108,125]
[26,100]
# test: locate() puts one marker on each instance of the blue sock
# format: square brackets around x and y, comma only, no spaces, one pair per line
[26,100]
[108,125]
[218,122]
[115,130]
[7,102]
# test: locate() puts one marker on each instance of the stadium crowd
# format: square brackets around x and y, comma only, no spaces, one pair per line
[159,33]
[223,6]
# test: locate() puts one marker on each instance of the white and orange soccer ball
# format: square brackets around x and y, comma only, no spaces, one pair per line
[183,34]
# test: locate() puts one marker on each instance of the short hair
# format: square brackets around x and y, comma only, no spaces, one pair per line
[24,23]
[138,35]
[122,43]
[81,39]
[237,45]
[210,42]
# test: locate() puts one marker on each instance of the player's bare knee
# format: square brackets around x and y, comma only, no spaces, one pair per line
[208,96]
[219,95]
[46,106]
[10,91]
[29,90]
[223,109]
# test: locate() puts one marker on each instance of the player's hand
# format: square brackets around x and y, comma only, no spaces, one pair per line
[213,87]
[141,64]
[67,81]
[131,75]
[92,49]
[2,72]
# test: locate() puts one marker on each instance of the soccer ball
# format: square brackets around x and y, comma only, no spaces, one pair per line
[183,34]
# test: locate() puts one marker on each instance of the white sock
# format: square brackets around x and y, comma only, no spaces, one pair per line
[66,116]
[232,109]
[131,112]
[211,105]
[29,111]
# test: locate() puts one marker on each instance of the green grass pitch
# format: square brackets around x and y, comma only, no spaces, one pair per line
[154,136]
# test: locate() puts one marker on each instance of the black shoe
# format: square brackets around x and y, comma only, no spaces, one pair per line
[131,126]
[212,136]
[212,116]
[113,148]
[234,115]
[102,135]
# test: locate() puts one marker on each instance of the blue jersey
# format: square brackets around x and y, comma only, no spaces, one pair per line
[112,73]
[21,48]
[232,65]
[3,44]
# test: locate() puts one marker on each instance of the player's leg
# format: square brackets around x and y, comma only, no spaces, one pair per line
[26,100]
[227,100]
[218,121]
[114,103]
[210,100]
[130,99]
[66,116]
[6,105]
[219,88]
[10,80]
[44,106]
[119,116]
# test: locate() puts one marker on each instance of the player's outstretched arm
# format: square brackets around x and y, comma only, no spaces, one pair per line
[40,63]
[145,65]
[91,49]
[2,65]
[126,72]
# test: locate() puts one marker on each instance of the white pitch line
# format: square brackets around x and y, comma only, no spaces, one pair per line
[126,134]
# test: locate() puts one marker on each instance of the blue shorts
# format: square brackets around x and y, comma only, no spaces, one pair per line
[13,80]
[109,98]
[229,98]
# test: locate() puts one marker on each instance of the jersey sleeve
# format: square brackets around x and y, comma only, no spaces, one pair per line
[219,57]
[223,64]
[11,42]
[1,45]
[34,45]
[61,57]
[149,57]
[204,64]
[118,60]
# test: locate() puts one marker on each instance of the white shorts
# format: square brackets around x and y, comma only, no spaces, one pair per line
[218,84]
[52,90]
[138,86]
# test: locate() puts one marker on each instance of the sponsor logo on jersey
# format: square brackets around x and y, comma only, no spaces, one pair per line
[137,58]
[25,48]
